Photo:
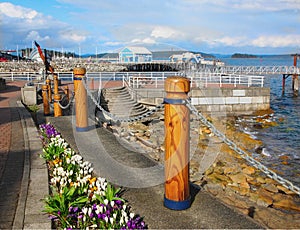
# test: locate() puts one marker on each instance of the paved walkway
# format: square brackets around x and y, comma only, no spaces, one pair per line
[24,178]
[142,179]
[23,175]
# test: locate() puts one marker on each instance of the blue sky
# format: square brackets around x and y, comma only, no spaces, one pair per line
[210,26]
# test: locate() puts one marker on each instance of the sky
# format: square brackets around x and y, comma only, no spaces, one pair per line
[98,26]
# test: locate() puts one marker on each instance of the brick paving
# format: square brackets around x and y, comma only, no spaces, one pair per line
[11,153]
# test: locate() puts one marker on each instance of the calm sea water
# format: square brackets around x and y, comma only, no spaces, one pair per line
[282,142]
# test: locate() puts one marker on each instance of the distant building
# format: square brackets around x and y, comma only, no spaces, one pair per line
[35,56]
[135,54]
[186,57]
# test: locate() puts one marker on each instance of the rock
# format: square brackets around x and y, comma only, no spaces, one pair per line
[238,178]
[286,204]
[261,180]
[264,198]
[270,187]
[218,178]
[214,189]
[249,170]
[285,190]
[228,170]
[274,219]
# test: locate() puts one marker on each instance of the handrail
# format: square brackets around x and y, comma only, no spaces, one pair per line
[153,79]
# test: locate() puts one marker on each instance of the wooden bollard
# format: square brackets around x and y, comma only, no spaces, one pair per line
[78,75]
[55,84]
[81,109]
[45,100]
[66,90]
[48,82]
[57,109]
[177,146]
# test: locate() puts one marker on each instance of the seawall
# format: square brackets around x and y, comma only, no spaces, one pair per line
[232,101]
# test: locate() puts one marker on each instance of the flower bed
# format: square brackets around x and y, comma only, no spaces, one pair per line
[77,198]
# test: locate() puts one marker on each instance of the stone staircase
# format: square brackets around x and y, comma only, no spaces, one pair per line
[118,102]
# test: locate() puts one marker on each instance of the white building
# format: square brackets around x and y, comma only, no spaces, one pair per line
[135,54]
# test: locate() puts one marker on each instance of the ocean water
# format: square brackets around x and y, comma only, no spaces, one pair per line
[281,150]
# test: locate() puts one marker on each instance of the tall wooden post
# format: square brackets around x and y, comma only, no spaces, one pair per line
[48,82]
[295,83]
[80,100]
[45,100]
[55,84]
[66,90]
[177,146]
[56,108]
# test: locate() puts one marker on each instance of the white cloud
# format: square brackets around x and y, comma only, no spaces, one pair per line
[13,11]
[231,41]
[163,32]
[277,41]
[143,41]
[73,36]
[34,35]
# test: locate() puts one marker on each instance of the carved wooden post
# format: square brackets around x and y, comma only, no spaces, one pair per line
[56,108]
[55,84]
[80,100]
[48,82]
[66,90]
[177,147]
[45,100]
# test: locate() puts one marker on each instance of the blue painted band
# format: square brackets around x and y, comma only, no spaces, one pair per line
[174,101]
[82,129]
[177,205]
[46,115]
[77,78]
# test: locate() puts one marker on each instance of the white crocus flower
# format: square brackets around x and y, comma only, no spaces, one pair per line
[105,201]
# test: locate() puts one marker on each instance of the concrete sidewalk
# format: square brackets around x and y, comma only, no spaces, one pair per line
[121,164]
[23,174]
[24,177]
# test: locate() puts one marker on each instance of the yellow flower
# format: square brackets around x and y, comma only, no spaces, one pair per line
[92,180]
[56,161]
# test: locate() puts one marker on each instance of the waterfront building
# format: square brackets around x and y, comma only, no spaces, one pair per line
[135,54]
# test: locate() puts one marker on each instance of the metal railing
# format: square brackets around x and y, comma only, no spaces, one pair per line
[151,79]
[251,69]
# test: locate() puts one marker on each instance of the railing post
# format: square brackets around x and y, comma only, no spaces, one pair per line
[55,84]
[48,82]
[45,100]
[177,147]
[81,109]
[57,109]
[66,90]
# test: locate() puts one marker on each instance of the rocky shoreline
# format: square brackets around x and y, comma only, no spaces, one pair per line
[66,66]
[221,171]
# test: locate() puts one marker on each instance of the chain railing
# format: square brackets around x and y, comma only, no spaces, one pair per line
[286,183]
[69,103]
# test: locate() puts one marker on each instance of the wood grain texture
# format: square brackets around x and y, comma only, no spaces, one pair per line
[48,82]
[57,109]
[177,147]
[46,104]
[81,106]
